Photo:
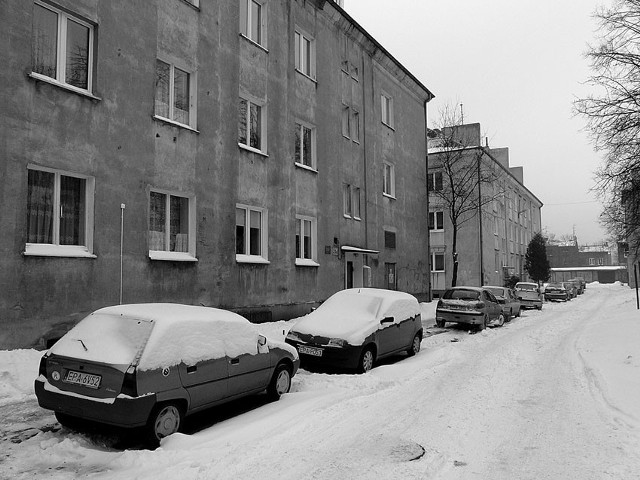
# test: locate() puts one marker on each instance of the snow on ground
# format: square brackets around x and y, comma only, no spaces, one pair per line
[554,394]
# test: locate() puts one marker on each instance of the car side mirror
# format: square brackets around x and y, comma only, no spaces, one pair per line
[262,340]
[387,320]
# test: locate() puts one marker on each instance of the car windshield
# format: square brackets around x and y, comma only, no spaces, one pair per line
[112,339]
[526,287]
[461,294]
[555,286]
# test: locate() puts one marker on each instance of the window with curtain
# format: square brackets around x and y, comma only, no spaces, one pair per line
[251,238]
[172,93]
[250,124]
[168,222]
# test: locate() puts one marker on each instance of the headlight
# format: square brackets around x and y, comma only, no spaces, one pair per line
[336,342]
[293,336]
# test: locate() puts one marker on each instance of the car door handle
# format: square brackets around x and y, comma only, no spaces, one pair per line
[192,368]
[234,361]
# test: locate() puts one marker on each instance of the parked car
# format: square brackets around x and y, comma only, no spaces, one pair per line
[470,305]
[555,292]
[571,289]
[507,297]
[150,365]
[529,295]
[356,327]
[578,284]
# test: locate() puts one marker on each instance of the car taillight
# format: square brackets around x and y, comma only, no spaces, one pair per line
[42,370]
[129,386]
[439,304]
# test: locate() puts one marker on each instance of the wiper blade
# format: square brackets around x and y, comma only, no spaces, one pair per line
[83,345]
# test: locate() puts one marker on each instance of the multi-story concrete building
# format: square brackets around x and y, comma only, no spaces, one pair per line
[255,155]
[493,235]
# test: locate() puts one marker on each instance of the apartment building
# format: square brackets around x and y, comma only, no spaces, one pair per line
[254,155]
[498,218]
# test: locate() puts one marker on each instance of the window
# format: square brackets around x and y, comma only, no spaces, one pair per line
[347,200]
[306,248]
[355,126]
[346,121]
[390,276]
[305,145]
[305,55]
[389,239]
[251,234]
[252,21]
[388,180]
[171,226]
[436,220]
[62,48]
[251,125]
[351,201]
[437,262]
[59,213]
[434,182]
[174,92]
[387,109]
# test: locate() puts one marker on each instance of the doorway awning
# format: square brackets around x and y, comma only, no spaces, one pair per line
[348,248]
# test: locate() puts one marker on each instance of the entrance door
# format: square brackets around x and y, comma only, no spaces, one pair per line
[349,275]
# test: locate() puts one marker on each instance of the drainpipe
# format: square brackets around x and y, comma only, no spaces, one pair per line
[122,206]
[480,219]
[426,162]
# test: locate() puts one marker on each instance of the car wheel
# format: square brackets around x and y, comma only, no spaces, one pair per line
[501,320]
[485,322]
[280,382]
[519,312]
[366,360]
[440,323]
[415,345]
[508,316]
[165,419]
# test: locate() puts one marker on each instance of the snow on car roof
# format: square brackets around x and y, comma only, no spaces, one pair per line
[181,333]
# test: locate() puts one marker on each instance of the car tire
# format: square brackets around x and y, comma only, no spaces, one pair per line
[367,358]
[415,345]
[68,421]
[485,322]
[508,316]
[501,320]
[440,323]
[165,419]
[280,382]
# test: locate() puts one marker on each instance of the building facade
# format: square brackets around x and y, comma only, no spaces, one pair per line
[493,236]
[255,155]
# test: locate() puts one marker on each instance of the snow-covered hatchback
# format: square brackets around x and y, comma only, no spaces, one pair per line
[150,365]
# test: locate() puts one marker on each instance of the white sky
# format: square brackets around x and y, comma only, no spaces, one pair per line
[516,66]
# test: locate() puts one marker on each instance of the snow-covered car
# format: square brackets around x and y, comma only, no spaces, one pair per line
[579,285]
[529,295]
[356,327]
[470,305]
[507,297]
[556,291]
[150,365]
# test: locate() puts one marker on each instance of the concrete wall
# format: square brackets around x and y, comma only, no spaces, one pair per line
[114,138]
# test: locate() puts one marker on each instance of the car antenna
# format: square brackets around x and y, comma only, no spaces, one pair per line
[83,345]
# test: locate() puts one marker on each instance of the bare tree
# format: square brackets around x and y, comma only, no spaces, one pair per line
[613,116]
[462,173]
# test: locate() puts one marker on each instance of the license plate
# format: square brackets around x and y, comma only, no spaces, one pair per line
[86,379]
[316,352]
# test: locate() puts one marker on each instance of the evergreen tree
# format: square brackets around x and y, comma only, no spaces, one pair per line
[536,263]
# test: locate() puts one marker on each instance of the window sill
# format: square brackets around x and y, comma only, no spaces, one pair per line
[255,259]
[306,167]
[390,127]
[47,250]
[306,262]
[253,42]
[174,123]
[306,76]
[389,196]
[194,5]
[171,256]
[70,88]
[253,150]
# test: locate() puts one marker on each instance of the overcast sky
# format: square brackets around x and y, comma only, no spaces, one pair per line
[516,66]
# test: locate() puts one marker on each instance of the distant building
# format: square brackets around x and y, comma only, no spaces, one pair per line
[594,263]
[492,242]
[251,155]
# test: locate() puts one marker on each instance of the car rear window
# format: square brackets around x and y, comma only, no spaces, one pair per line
[461,295]
[113,339]
[528,288]
[496,291]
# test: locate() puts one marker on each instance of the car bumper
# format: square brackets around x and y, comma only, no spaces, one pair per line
[526,303]
[471,318]
[334,357]
[127,412]
[557,297]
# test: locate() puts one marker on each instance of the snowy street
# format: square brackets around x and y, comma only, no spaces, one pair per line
[554,394]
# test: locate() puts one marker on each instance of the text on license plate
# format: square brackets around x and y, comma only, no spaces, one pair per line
[316,352]
[86,379]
